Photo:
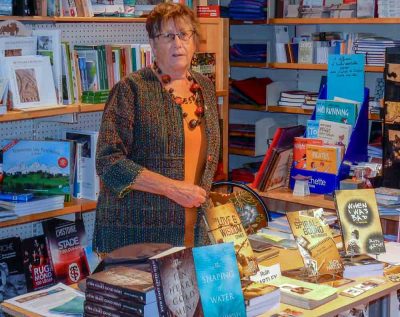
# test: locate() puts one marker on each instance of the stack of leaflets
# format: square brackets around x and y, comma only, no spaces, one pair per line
[37,204]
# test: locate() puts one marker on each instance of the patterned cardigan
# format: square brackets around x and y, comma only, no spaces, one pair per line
[143,128]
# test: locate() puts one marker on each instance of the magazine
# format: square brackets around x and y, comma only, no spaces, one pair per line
[54,301]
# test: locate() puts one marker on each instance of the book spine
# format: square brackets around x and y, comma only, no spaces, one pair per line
[115,303]
[155,272]
[100,310]
[122,292]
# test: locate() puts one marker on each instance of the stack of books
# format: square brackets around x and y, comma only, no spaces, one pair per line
[37,204]
[297,98]
[120,291]
[361,266]
[260,298]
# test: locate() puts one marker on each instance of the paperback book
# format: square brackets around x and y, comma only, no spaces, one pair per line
[359,221]
[11,268]
[334,133]
[337,111]
[176,286]
[37,266]
[219,280]
[224,225]
[42,167]
[315,242]
[65,242]
[204,63]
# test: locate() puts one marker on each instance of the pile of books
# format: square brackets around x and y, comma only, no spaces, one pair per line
[361,266]
[298,98]
[260,298]
[120,291]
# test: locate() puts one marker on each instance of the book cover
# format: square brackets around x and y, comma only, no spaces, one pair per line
[37,266]
[312,129]
[315,242]
[175,283]
[30,84]
[13,282]
[42,167]
[125,283]
[224,225]
[323,158]
[204,63]
[280,169]
[219,280]
[17,46]
[359,221]
[337,111]
[49,44]
[334,133]
[299,150]
[303,294]
[86,162]
[65,242]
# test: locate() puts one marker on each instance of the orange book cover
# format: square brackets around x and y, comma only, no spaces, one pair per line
[299,150]
[322,158]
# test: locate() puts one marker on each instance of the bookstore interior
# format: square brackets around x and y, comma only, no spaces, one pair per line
[303,215]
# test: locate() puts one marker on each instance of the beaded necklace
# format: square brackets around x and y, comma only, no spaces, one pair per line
[194,98]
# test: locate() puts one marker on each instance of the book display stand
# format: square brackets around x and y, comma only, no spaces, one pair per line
[357,151]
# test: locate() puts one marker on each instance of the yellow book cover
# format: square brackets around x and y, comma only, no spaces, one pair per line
[224,225]
[322,158]
[315,242]
[360,222]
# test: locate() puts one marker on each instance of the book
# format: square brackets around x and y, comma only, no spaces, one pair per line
[37,266]
[224,225]
[108,299]
[334,133]
[86,162]
[17,46]
[30,84]
[359,221]
[53,301]
[299,150]
[315,242]
[361,265]
[8,196]
[312,129]
[49,44]
[11,268]
[323,158]
[303,294]
[65,242]
[42,167]
[279,169]
[337,111]
[176,286]
[218,280]
[125,283]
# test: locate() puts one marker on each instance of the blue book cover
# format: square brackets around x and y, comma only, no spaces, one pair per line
[346,76]
[15,196]
[41,167]
[337,111]
[218,280]
[312,129]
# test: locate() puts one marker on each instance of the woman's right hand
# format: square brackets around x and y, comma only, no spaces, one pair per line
[185,194]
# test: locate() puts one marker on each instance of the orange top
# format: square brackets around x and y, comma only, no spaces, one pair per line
[195,158]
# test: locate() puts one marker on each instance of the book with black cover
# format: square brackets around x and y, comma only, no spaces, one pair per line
[124,282]
[66,241]
[38,270]
[12,276]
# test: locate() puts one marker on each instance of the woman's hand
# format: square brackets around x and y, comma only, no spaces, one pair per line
[185,194]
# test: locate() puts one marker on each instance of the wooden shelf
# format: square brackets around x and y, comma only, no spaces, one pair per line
[372,69]
[247,107]
[15,115]
[248,64]
[247,22]
[292,110]
[241,152]
[91,107]
[77,205]
[297,21]
[40,19]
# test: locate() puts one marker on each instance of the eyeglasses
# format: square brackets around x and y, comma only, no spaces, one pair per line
[170,37]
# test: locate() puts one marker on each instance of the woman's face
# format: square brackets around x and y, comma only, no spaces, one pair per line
[174,55]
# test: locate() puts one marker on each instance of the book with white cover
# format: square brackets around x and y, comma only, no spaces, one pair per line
[17,45]
[334,133]
[30,83]
[49,44]
[89,186]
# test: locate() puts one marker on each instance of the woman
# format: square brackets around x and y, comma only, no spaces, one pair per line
[158,143]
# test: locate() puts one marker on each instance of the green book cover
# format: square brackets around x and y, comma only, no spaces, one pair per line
[337,111]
